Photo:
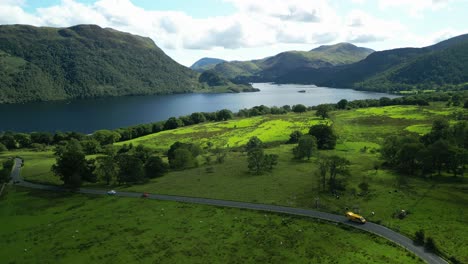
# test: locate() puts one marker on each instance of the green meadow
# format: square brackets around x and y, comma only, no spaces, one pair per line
[437,205]
[45,227]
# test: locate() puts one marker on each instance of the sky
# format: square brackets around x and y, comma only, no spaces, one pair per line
[188,30]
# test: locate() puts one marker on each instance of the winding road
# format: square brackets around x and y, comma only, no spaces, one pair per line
[369,227]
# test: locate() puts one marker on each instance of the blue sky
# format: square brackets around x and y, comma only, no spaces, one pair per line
[247,29]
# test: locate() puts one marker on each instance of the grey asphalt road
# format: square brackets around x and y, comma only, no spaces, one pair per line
[369,227]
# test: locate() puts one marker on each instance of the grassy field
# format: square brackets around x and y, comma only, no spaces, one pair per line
[36,165]
[42,227]
[232,133]
[438,205]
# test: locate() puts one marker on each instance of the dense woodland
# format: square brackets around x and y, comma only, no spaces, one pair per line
[41,64]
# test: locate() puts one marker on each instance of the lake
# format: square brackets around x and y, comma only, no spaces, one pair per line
[109,113]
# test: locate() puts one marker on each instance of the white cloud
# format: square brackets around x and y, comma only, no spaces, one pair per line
[414,7]
[364,28]
[256,26]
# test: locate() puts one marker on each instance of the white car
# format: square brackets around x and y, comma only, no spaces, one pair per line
[111,192]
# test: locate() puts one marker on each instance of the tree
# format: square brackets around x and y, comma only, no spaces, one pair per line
[419,237]
[183,159]
[342,104]
[155,167]
[172,123]
[106,137]
[256,160]
[91,146]
[197,118]
[23,140]
[3,148]
[305,148]
[408,157]
[70,163]
[41,138]
[322,111]
[223,115]
[130,169]
[254,143]
[270,160]
[143,153]
[323,168]
[337,166]
[294,137]
[8,141]
[106,169]
[326,138]
[299,108]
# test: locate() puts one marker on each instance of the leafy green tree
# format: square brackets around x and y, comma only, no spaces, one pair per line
[256,160]
[270,161]
[3,148]
[143,153]
[322,172]
[439,152]
[419,237]
[172,123]
[294,137]
[322,111]
[223,115]
[106,169]
[23,140]
[326,138]
[183,159]
[41,138]
[88,171]
[106,137]
[299,108]
[408,157]
[337,166]
[91,146]
[253,143]
[155,167]
[197,118]
[130,169]
[221,154]
[70,163]
[342,104]
[306,147]
[390,148]
[8,141]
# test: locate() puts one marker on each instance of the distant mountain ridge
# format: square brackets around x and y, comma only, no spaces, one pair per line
[270,68]
[204,64]
[442,64]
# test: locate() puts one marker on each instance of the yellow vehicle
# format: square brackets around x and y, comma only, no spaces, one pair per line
[355,217]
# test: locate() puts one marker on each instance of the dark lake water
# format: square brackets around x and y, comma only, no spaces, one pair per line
[109,113]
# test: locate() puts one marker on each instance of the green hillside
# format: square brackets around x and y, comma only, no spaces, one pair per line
[205,64]
[42,64]
[442,65]
[268,69]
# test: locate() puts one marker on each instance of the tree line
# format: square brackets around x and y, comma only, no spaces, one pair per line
[444,149]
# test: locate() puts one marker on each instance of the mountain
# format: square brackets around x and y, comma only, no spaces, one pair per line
[85,61]
[205,64]
[268,69]
[441,65]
